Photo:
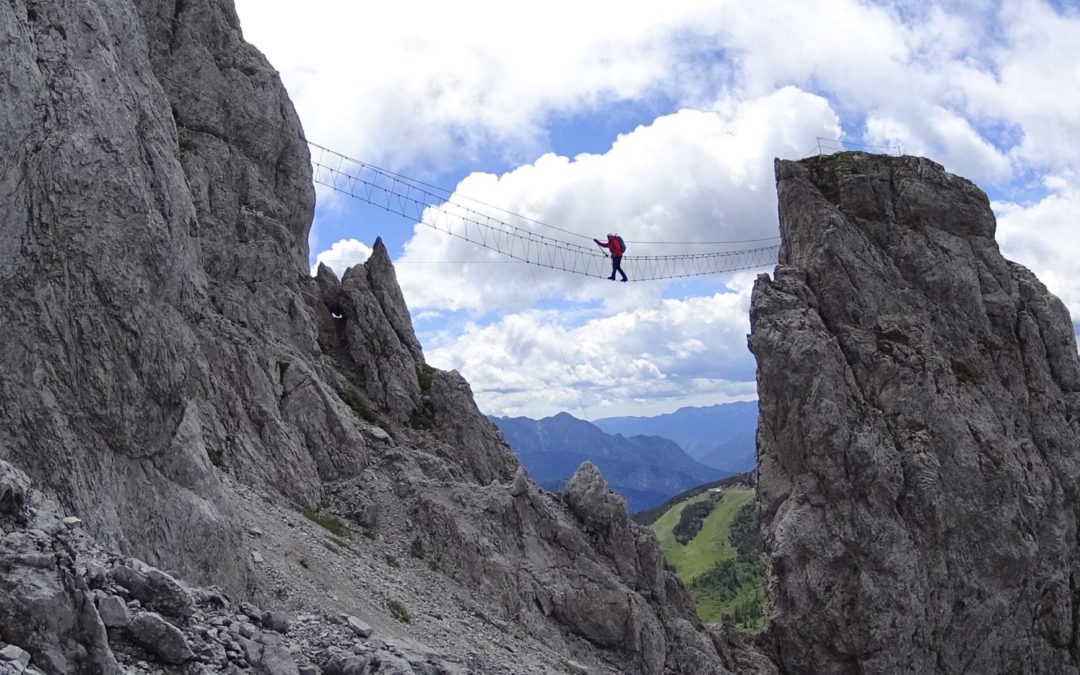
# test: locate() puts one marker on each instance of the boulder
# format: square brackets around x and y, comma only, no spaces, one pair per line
[276,621]
[155,589]
[269,659]
[15,657]
[113,611]
[160,638]
[359,628]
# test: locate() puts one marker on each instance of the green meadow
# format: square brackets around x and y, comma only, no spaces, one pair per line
[725,582]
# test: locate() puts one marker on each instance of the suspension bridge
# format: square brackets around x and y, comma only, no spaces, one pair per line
[513,235]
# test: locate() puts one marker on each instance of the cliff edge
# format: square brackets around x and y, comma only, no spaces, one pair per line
[918,449]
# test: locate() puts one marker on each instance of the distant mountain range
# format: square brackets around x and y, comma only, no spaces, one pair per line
[720,436]
[645,470]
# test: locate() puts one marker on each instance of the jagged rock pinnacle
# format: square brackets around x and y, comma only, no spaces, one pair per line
[918,456]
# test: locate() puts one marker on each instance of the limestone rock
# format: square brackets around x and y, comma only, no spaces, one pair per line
[579,560]
[340,663]
[18,658]
[154,588]
[98,273]
[44,610]
[14,493]
[477,444]
[276,621]
[269,659]
[113,611]
[160,638]
[371,337]
[920,410]
[576,668]
[360,628]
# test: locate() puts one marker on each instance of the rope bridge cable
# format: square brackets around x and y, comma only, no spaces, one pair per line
[441,210]
[839,145]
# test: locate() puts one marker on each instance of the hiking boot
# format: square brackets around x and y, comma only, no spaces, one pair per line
[612,277]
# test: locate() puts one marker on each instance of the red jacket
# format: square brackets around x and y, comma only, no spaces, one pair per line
[613,244]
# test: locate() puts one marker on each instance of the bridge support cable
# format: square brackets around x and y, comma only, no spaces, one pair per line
[510,234]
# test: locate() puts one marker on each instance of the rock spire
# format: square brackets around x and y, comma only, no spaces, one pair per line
[918,449]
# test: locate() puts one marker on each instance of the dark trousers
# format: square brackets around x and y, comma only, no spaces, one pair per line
[616,266]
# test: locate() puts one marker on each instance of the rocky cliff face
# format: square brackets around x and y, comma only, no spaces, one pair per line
[145,312]
[164,356]
[918,443]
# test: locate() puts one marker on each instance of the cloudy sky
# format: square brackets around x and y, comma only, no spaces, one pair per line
[659,121]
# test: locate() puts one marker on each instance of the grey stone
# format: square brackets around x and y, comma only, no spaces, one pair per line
[213,598]
[46,609]
[269,659]
[358,627]
[346,664]
[15,654]
[576,668]
[276,621]
[154,589]
[248,630]
[96,575]
[113,611]
[309,669]
[111,471]
[256,557]
[160,638]
[917,432]
[14,492]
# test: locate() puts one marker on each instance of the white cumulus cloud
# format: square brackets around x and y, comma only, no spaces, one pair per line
[342,255]
[395,82]
[646,359]
[1043,237]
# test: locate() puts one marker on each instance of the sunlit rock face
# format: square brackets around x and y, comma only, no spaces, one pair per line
[919,438]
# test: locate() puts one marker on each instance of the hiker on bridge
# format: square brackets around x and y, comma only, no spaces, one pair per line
[617,247]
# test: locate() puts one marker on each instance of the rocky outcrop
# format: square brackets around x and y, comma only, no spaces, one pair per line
[137,289]
[46,607]
[368,332]
[918,453]
[576,558]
